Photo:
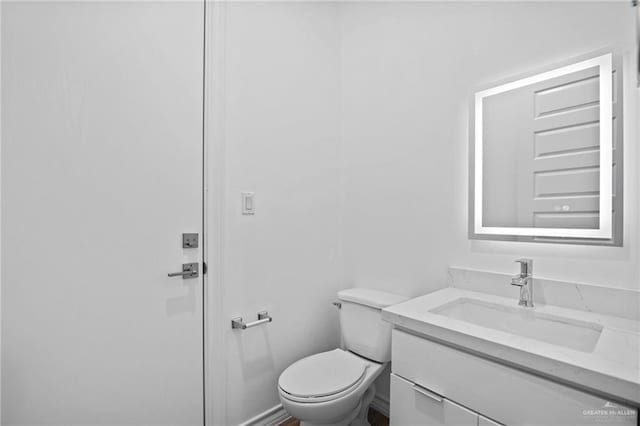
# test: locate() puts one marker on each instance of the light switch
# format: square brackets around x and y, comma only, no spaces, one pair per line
[248,205]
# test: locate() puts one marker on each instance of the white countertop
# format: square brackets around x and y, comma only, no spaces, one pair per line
[611,369]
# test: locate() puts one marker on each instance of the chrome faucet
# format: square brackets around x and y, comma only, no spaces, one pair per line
[524,280]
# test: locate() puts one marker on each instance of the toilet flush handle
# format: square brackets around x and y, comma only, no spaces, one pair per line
[337,305]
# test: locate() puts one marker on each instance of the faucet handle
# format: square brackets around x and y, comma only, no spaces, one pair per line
[526,266]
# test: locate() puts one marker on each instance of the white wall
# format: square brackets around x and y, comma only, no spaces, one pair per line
[586,29]
[0,214]
[279,116]
[408,70]
[349,121]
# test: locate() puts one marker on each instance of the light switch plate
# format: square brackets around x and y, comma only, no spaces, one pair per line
[248,203]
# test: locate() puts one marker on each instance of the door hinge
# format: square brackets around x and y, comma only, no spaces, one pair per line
[204,268]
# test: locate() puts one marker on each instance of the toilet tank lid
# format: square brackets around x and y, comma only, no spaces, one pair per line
[372,298]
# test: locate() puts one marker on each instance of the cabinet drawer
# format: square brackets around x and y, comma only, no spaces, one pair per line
[505,394]
[483,421]
[414,406]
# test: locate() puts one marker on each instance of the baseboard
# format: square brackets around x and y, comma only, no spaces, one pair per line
[381,405]
[271,417]
[276,415]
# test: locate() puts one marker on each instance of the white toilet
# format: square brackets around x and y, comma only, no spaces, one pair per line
[336,387]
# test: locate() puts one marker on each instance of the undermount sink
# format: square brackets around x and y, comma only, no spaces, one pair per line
[524,322]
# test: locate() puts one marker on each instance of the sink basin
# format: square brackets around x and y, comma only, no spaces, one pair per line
[524,322]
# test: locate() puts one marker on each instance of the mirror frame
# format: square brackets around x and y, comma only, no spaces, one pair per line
[605,230]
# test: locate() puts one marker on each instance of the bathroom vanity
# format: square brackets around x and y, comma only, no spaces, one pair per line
[461,357]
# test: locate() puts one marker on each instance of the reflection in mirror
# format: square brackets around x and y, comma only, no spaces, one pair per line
[538,146]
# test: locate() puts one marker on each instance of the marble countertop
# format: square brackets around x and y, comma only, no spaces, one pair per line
[611,369]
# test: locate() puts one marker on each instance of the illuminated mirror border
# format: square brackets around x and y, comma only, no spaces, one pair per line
[604,64]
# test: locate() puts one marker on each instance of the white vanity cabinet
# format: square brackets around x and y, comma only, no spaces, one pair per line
[434,384]
[414,405]
[483,421]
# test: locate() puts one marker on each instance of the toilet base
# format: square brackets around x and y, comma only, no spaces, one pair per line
[358,417]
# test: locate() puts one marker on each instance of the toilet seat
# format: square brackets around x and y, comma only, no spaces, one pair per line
[323,377]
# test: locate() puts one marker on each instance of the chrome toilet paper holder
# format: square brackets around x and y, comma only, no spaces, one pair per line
[263,318]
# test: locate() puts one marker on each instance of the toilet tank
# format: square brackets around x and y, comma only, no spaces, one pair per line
[363,330]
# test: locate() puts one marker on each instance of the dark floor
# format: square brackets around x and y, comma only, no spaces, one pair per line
[375,418]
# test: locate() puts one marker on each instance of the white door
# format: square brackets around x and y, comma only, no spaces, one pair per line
[564,169]
[101,175]
[563,165]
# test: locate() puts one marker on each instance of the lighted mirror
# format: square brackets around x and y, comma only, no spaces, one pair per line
[539,149]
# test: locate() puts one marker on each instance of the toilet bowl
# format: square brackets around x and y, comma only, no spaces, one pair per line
[328,388]
[335,388]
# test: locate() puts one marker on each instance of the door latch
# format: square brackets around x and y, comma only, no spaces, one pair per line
[189,270]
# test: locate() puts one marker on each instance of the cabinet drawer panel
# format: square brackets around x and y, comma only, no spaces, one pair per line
[483,421]
[508,395]
[412,406]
